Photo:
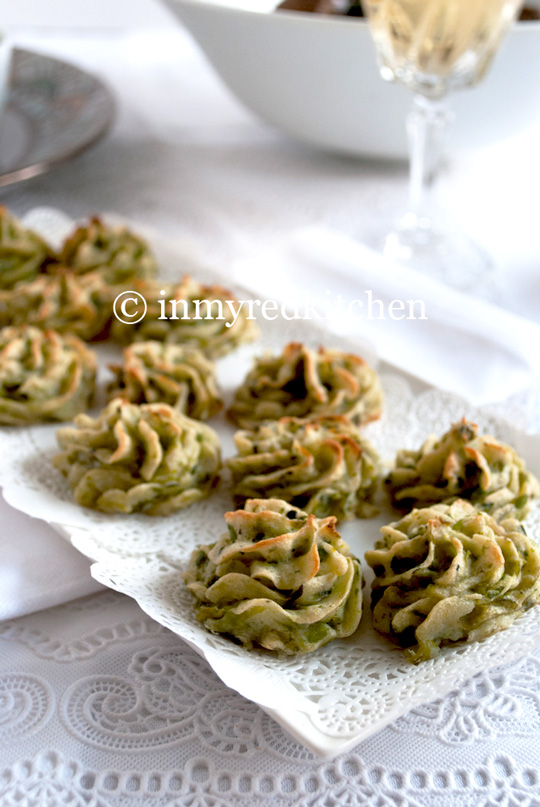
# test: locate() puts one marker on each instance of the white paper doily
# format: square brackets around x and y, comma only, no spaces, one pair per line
[344,692]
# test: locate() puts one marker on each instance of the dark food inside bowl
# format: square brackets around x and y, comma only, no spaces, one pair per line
[354,8]
[529,13]
[346,8]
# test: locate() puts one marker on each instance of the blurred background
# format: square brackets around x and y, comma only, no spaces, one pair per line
[185,156]
[75,13]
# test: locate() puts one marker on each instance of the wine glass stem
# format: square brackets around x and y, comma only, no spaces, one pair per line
[426,126]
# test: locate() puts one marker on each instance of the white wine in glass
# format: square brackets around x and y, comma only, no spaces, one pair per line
[434,47]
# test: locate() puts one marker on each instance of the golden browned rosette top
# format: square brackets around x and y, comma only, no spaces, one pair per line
[43,376]
[278,579]
[62,301]
[302,383]
[200,316]
[22,252]
[451,573]
[150,459]
[180,376]
[324,465]
[463,463]
[115,251]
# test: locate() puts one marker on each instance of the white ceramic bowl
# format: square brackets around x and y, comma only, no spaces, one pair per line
[316,78]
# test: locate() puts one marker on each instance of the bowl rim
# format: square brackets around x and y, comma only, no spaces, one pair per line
[313,18]
[286,14]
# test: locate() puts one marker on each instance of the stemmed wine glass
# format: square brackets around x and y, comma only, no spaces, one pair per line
[434,47]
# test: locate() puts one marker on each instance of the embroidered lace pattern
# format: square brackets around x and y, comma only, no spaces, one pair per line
[146,721]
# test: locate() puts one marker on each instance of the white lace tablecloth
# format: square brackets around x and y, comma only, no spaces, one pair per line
[99,705]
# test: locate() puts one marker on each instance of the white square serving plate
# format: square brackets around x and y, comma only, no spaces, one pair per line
[330,699]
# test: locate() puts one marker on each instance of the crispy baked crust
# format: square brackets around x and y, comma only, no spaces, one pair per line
[210,327]
[302,383]
[278,579]
[62,302]
[150,459]
[451,574]
[22,252]
[73,291]
[43,376]
[463,463]
[117,253]
[179,376]
[324,466]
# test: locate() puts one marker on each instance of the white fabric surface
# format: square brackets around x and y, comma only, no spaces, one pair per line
[38,568]
[448,341]
[185,157]
[100,706]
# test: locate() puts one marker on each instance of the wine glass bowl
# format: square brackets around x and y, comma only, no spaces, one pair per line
[440,45]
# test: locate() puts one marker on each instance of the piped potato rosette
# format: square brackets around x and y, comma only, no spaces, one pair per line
[189,313]
[301,382]
[71,291]
[62,302]
[150,459]
[451,574]
[44,376]
[463,464]
[179,376]
[22,252]
[325,466]
[279,579]
[114,251]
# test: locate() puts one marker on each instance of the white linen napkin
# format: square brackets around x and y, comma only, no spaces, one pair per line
[464,344]
[38,569]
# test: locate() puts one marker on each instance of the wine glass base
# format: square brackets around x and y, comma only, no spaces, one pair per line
[448,256]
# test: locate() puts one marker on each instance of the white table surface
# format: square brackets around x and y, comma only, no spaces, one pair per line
[99,705]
